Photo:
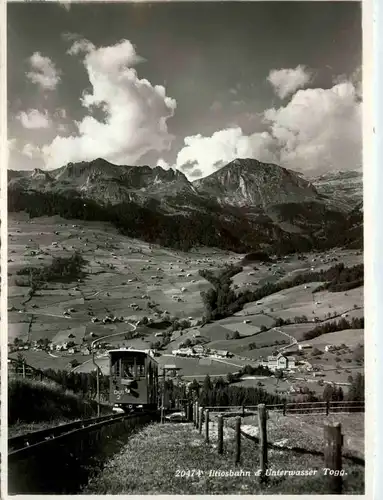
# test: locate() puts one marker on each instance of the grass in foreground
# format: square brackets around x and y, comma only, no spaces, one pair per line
[306,431]
[150,461]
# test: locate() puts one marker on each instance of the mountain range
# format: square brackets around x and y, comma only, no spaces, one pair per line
[243,206]
[345,188]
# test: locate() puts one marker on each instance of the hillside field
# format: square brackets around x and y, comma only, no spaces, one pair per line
[131,279]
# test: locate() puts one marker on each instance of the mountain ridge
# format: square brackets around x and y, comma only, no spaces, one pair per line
[253,204]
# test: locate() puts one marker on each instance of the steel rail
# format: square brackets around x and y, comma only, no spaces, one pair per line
[21,445]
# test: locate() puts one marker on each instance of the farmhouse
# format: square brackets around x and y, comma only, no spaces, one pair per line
[183,352]
[199,349]
[280,362]
[304,346]
[62,347]
[223,354]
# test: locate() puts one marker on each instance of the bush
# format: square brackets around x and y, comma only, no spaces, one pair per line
[62,269]
[358,354]
[316,352]
[33,401]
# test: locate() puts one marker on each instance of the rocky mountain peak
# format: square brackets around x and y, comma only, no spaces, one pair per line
[249,182]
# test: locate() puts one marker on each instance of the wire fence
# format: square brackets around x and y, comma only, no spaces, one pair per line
[332,451]
[311,407]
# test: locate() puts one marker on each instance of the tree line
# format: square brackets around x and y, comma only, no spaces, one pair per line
[205,227]
[221,301]
[221,393]
[84,384]
[61,269]
[334,326]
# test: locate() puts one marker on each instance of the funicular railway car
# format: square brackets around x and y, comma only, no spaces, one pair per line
[133,380]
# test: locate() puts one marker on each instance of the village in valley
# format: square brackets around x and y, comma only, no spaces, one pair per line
[139,295]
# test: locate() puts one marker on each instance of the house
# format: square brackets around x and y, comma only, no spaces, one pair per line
[183,352]
[85,351]
[199,349]
[328,347]
[223,354]
[62,347]
[304,346]
[280,362]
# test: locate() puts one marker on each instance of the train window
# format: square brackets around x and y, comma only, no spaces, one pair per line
[128,368]
[116,368]
[140,367]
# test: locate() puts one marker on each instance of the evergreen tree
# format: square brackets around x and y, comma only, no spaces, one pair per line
[328,393]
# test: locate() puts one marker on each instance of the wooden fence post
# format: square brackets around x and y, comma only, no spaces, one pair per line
[333,441]
[243,410]
[207,426]
[284,408]
[23,369]
[262,440]
[200,419]
[196,415]
[238,440]
[220,434]
[327,407]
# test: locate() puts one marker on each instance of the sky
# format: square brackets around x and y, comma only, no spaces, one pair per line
[185,85]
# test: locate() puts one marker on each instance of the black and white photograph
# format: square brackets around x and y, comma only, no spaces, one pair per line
[185,263]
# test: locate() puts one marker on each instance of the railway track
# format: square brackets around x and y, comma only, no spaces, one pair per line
[58,460]
[20,445]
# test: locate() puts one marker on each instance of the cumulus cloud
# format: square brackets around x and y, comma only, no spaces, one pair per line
[135,111]
[286,81]
[202,156]
[43,72]
[317,131]
[355,78]
[163,164]
[34,119]
[12,144]
[31,151]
